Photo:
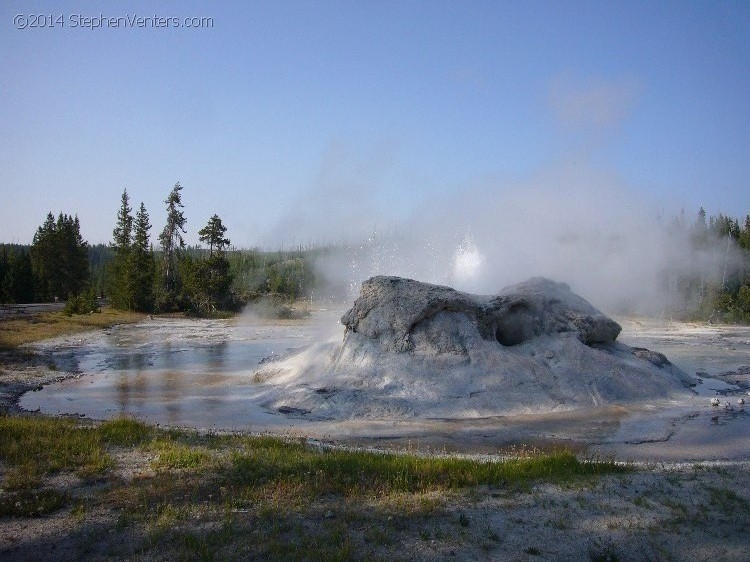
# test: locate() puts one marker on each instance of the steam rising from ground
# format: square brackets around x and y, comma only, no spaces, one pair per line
[577,226]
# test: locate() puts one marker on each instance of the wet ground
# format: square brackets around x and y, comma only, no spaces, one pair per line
[198,373]
[173,371]
[694,429]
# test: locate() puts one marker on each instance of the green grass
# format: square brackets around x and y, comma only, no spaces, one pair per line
[125,432]
[728,501]
[36,327]
[31,503]
[192,496]
[272,477]
[41,446]
[55,444]
[348,472]
[173,455]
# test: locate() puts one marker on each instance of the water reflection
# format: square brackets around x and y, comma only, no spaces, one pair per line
[175,371]
[199,374]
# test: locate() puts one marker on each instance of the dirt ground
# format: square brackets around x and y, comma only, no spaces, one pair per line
[693,513]
[689,511]
[24,371]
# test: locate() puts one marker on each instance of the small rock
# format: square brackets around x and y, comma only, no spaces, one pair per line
[715,401]
[549,354]
[741,401]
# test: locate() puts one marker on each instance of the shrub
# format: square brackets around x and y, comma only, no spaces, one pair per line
[83,303]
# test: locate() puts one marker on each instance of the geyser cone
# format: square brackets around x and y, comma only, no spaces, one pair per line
[413,349]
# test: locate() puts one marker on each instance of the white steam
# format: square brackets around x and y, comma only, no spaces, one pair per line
[572,225]
[467,262]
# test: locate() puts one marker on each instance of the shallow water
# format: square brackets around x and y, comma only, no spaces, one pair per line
[694,348]
[181,372]
[692,430]
[198,373]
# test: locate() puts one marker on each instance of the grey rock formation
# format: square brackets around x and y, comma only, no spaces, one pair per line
[413,349]
[398,313]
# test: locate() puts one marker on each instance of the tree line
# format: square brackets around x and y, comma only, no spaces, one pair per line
[714,284]
[709,280]
[60,265]
[142,279]
[55,266]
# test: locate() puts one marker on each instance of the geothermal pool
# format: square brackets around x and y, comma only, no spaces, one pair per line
[179,372]
[198,373]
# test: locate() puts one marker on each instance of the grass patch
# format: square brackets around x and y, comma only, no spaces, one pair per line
[173,455]
[125,432]
[36,327]
[187,495]
[353,473]
[31,503]
[728,501]
[272,480]
[54,444]
[203,546]
[42,446]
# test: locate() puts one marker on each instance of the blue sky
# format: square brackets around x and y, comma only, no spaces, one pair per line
[283,117]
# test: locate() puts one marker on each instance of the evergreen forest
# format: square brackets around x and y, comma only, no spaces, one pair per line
[160,273]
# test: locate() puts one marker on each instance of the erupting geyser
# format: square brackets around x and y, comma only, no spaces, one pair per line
[467,261]
[413,349]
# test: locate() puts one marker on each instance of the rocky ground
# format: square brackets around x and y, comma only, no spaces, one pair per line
[696,511]
[24,371]
[699,512]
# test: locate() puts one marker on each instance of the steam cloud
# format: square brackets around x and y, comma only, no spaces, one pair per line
[573,225]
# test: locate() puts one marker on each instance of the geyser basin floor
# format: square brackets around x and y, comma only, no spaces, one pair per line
[694,430]
[198,374]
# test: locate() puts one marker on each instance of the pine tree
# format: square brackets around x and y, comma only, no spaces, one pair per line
[734,230]
[142,263]
[59,258]
[4,297]
[171,244]
[18,284]
[119,273]
[213,235]
[701,229]
[44,259]
[78,256]
[745,234]
[122,234]
[210,279]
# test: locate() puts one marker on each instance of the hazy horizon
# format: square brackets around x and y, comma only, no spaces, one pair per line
[313,123]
